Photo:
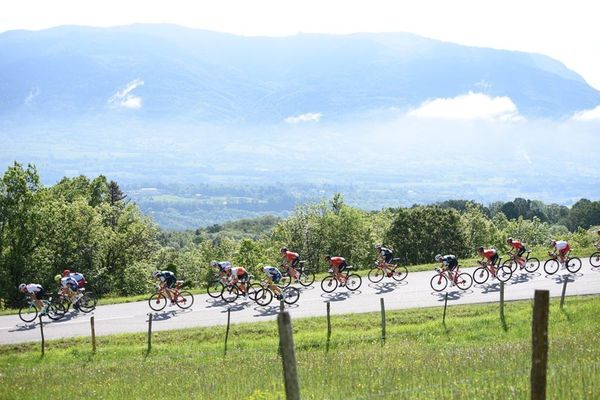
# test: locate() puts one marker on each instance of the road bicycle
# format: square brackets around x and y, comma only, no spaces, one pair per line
[305,277]
[215,287]
[182,298]
[352,281]
[551,266]
[264,295]
[483,272]
[440,281]
[29,312]
[531,263]
[595,259]
[231,292]
[381,270]
[84,301]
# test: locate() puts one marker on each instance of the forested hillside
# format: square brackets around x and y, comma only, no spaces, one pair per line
[89,225]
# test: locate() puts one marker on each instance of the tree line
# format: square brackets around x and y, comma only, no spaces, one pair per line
[90,226]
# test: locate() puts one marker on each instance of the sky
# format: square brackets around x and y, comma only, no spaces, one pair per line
[567,31]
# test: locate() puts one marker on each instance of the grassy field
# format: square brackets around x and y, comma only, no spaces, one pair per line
[472,357]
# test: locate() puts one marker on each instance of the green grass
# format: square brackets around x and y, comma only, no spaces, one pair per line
[471,357]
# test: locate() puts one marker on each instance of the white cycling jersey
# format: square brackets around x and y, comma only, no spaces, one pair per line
[561,245]
[67,281]
[34,288]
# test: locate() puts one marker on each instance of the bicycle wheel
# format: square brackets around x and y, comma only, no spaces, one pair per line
[184,299]
[464,281]
[503,273]
[307,278]
[375,275]
[285,281]
[214,289]
[595,259]
[230,294]
[253,290]
[157,301]
[400,273]
[510,264]
[532,264]
[551,266]
[28,312]
[291,295]
[353,282]
[573,264]
[87,303]
[55,311]
[438,282]
[263,297]
[481,275]
[329,284]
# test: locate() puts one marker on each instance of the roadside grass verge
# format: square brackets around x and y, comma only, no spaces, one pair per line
[472,357]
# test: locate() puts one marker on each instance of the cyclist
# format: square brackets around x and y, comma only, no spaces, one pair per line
[449,264]
[35,291]
[239,274]
[221,267]
[560,246]
[519,249]
[386,256]
[598,242]
[290,262]
[78,276]
[337,264]
[491,257]
[273,277]
[167,281]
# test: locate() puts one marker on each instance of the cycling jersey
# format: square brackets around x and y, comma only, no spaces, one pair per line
[240,273]
[292,258]
[273,273]
[168,278]
[79,278]
[386,254]
[450,261]
[339,262]
[491,255]
[562,246]
[35,290]
[517,245]
[68,282]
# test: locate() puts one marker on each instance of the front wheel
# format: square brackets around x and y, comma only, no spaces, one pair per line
[285,281]
[184,300]
[55,311]
[329,284]
[481,275]
[214,289]
[307,278]
[400,273]
[551,266]
[28,313]
[157,301]
[464,281]
[375,275]
[503,273]
[439,282]
[253,290]
[263,297]
[87,303]
[532,264]
[510,264]
[291,295]
[595,259]
[230,294]
[573,264]
[353,282]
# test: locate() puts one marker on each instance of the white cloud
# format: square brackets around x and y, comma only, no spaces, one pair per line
[125,98]
[470,106]
[588,115]
[308,117]
[33,93]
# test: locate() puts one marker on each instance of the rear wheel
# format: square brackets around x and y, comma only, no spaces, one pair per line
[464,281]
[230,294]
[184,300]
[439,282]
[510,264]
[400,273]
[263,297]
[375,275]
[214,289]
[353,282]
[157,301]
[551,266]
[329,284]
[285,280]
[253,290]
[503,273]
[481,275]
[573,264]
[595,259]
[28,313]
[532,264]
[55,311]
[307,278]
[291,295]
[87,303]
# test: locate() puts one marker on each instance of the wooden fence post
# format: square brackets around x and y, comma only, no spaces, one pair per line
[502,301]
[564,291]
[43,340]
[445,305]
[227,330]
[328,326]
[382,322]
[539,345]
[93,334]
[281,306]
[149,333]
[288,357]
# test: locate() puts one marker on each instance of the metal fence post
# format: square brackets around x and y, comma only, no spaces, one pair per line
[328,326]
[288,357]
[227,330]
[149,333]
[445,305]
[564,291]
[539,345]
[382,322]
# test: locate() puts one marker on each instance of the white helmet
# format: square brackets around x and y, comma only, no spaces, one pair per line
[155,274]
[214,263]
[266,268]
[22,286]
[438,257]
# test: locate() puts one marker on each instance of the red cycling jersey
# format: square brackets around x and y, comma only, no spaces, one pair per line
[516,244]
[291,256]
[336,261]
[489,253]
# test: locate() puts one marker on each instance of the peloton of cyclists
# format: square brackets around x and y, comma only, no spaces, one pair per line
[490,256]
[449,264]
[519,249]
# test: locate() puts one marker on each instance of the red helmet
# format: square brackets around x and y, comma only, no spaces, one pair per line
[66,272]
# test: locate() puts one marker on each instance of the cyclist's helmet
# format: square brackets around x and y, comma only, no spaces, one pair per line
[598,231]
[509,240]
[266,268]
[214,263]
[438,257]
[378,246]
[327,257]
[552,242]
[57,278]
[155,274]
[22,287]
[66,272]
[283,250]
[480,249]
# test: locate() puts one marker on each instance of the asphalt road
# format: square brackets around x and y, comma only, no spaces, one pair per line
[413,292]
